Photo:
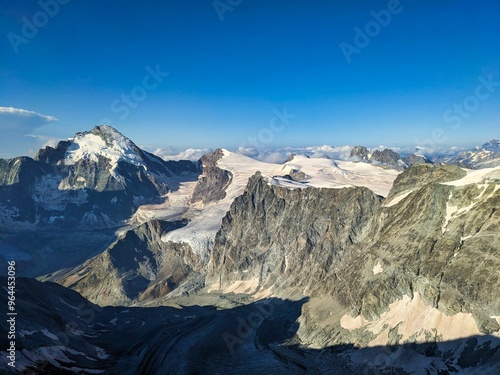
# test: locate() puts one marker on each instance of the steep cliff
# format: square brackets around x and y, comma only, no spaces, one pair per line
[429,251]
[138,267]
[286,239]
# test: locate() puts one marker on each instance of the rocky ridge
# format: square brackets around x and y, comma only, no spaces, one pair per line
[365,256]
[387,157]
[485,156]
[356,265]
[138,267]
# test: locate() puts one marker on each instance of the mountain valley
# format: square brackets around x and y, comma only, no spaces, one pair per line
[373,264]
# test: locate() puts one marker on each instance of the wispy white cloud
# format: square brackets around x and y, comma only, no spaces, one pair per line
[18,127]
[25,113]
[44,141]
[280,155]
[192,154]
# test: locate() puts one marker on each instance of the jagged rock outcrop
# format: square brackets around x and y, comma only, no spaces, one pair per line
[295,175]
[17,178]
[273,237]
[358,257]
[139,266]
[413,159]
[387,157]
[438,248]
[213,181]
[361,152]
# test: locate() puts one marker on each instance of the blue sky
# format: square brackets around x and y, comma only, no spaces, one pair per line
[422,73]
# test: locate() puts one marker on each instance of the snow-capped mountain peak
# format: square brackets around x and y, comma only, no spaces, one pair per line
[103,141]
[491,145]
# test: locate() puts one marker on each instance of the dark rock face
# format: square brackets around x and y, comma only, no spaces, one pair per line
[50,155]
[361,152]
[327,244]
[413,159]
[64,333]
[430,248]
[386,157]
[212,184]
[275,236]
[137,267]
[17,177]
[295,175]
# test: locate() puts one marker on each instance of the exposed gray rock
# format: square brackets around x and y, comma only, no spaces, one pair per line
[422,174]
[137,267]
[288,238]
[50,155]
[413,159]
[213,182]
[388,157]
[91,193]
[326,242]
[360,152]
[295,175]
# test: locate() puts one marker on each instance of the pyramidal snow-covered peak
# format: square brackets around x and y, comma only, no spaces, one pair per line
[103,141]
[491,145]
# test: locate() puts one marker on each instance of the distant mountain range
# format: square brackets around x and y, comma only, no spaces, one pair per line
[387,157]
[378,263]
[486,156]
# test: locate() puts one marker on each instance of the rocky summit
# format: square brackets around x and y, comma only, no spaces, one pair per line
[387,158]
[377,264]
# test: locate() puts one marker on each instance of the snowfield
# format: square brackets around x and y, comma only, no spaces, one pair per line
[477,177]
[205,220]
